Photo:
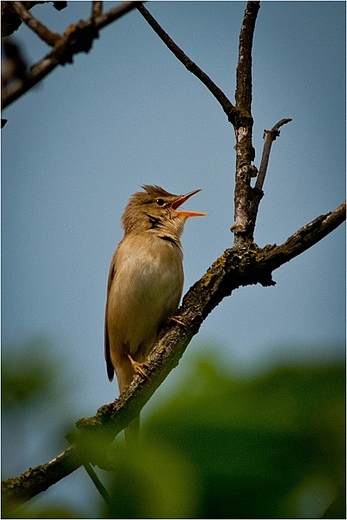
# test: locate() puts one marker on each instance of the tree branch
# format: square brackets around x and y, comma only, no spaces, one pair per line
[77,38]
[98,484]
[243,93]
[10,21]
[20,489]
[240,116]
[235,268]
[39,28]
[269,137]
[243,130]
[304,238]
[257,192]
[225,103]
[96,9]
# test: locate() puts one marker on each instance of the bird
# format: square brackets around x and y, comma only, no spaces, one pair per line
[145,282]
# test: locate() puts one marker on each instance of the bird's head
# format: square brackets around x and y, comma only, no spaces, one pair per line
[156,208]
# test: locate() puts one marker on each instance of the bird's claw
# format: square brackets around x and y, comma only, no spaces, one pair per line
[138,367]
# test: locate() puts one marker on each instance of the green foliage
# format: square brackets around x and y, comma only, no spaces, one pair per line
[222,447]
[27,376]
[54,511]
[152,480]
[271,447]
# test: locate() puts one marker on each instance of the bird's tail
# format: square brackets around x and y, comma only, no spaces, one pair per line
[125,373]
[132,431]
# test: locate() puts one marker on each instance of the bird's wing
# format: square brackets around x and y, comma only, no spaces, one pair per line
[109,366]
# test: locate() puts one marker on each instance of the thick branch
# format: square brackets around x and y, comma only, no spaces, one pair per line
[243,94]
[233,269]
[227,106]
[77,38]
[243,130]
[17,490]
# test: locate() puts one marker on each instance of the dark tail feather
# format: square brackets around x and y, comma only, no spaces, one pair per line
[132,431]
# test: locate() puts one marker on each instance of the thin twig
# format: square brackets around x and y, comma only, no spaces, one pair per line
[113,14]
[269,138]
[97,482]
[71,43]
[257,192]
[225,103]
[10,21]
[96,9]
[39,28]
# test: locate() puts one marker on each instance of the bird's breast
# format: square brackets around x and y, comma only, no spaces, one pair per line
[145,290]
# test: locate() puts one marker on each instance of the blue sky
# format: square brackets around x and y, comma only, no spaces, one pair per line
[128,113]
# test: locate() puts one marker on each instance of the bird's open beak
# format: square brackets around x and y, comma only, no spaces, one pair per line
[183,213]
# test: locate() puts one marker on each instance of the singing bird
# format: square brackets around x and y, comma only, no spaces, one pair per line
[145,280]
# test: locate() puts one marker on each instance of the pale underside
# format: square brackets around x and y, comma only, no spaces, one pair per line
[147,283]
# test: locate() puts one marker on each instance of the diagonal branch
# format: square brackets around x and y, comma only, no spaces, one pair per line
[304,238]
[230,271]
[227,106]
[39,28]
[10,21]
[18,490]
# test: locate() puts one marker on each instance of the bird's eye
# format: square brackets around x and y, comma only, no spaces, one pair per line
[160,202]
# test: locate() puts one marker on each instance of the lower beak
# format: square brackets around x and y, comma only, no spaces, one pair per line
[186,214]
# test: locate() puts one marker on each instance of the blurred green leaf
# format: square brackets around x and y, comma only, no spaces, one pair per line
[28,375]
[54,511]
[262,448]
[222,447]
[152,480]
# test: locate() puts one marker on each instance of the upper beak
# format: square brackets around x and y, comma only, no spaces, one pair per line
[186,214]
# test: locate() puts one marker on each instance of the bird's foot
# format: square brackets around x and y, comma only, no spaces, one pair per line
[138,367]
